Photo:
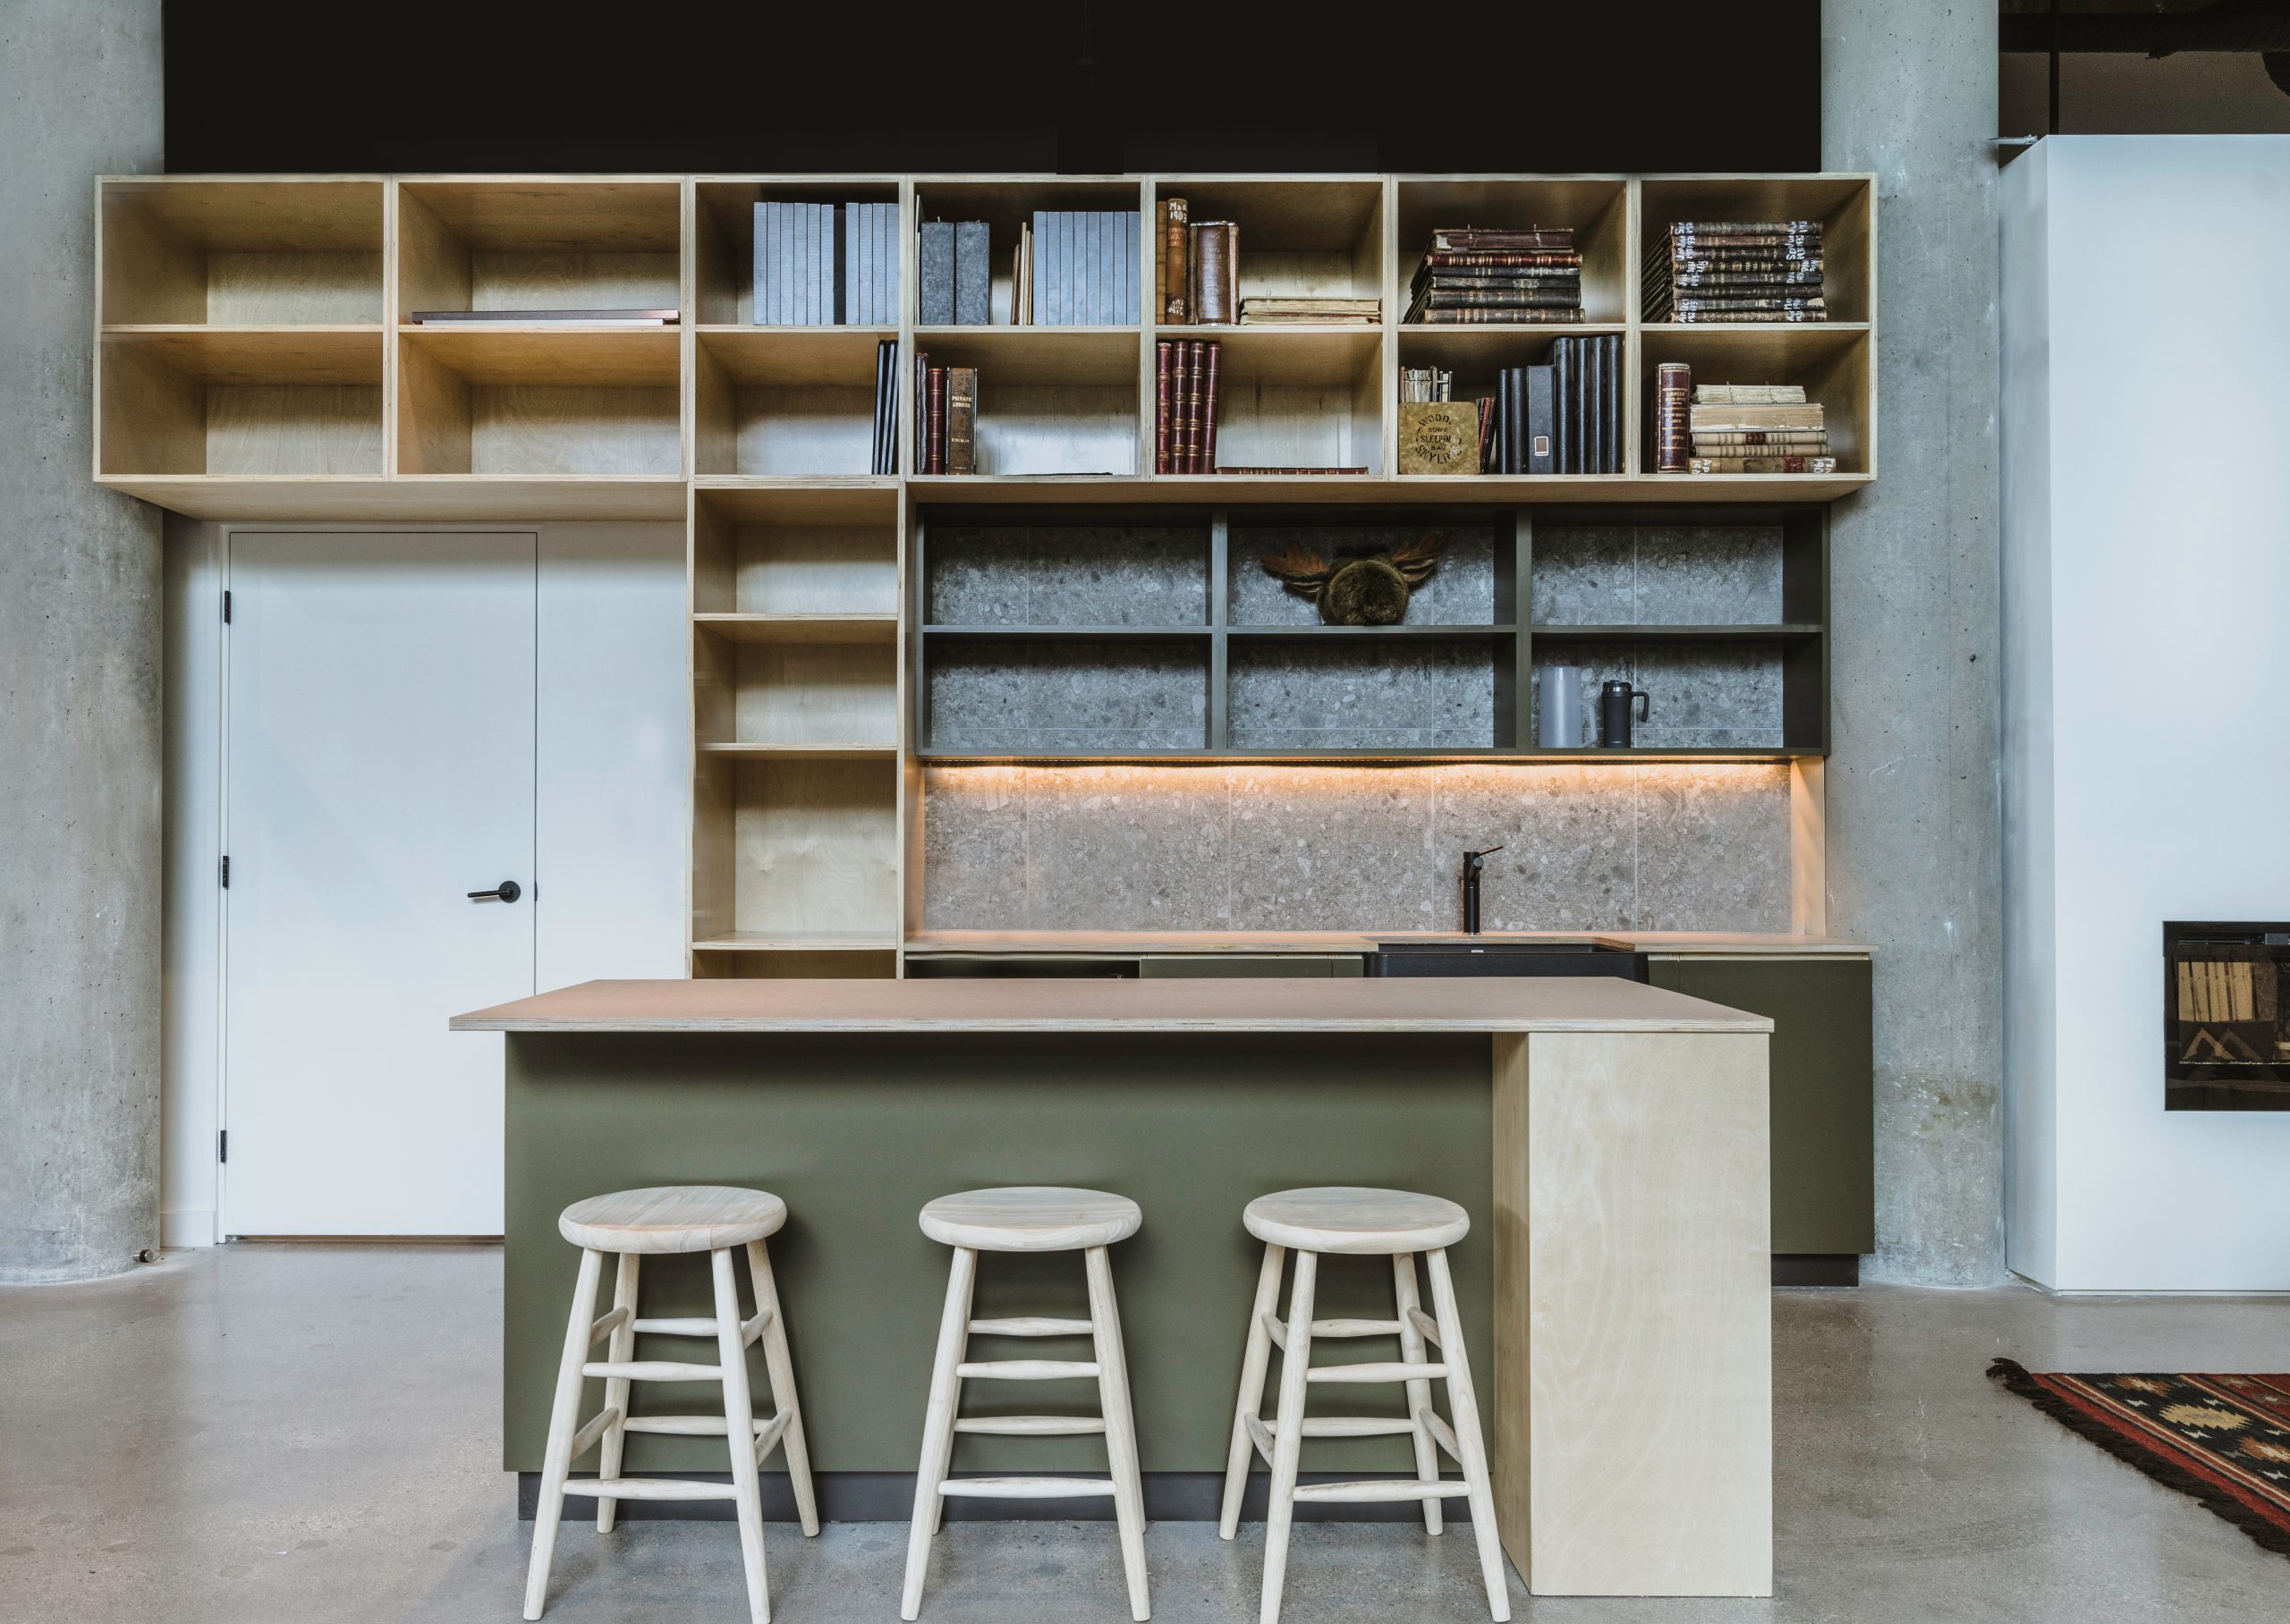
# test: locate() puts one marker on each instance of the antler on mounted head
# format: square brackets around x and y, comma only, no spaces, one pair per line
[1416,559]
[1305,571]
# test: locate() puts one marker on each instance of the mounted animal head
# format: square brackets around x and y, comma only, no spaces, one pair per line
[1359,588]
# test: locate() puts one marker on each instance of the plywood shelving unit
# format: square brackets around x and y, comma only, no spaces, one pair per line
[256,360]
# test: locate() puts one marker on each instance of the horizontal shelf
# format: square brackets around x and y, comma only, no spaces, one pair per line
[801,628]
[1792,630]
[517,498]
[1336,489]
[832,355]
[1587,753]
[1034,355]
[343,352]
[544,353]
[773,942]
[800,751]
[1401,630]
[1285,354]
[1089,632]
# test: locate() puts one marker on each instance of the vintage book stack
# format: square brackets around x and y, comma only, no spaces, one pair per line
[1563,416]
[954,273]
[1499,277]
[885,457]
[945,419]
[824,265]
[1185,387]
[1735,270]
[1758,428]
[1426,384]
[1197,274]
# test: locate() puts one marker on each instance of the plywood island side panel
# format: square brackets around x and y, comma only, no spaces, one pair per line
[1633,1405]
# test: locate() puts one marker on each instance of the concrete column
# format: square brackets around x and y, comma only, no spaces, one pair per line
[79,628]
[1915,819]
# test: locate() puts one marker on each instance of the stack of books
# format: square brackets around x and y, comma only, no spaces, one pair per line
[955,277]
[1084,269]
[1758,428]
[883,459]
[1735,270]
[945,418]
[802,281]
[1562,418]
[1426,384]
[1197,274]
[1477,276]
[1184,406]
[544,318]
[1316,308]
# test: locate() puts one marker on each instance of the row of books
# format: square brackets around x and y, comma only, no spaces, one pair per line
[1477,276]
[802,281]
[2216,989]
[1736,429]
[1186,389]
[1426,384]
[1563,416]
[1318,309]
[1067,269]
[1197,274]
[1735,270]
[945,418]
[883,458]
[953,271]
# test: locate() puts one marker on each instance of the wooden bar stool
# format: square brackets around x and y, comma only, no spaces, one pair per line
[673,1220]
[1373,1222]
[1028,1220]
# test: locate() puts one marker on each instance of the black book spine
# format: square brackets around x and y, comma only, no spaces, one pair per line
[1594,408]
[1514,420]
[1613,343]
[1541,430]
[1562,383]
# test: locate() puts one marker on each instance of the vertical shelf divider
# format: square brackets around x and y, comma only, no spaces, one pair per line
[1220,618]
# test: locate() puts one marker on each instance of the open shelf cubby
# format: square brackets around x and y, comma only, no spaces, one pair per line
[723,237]
[795,854]
[565,401]
[1833,360]
[541,244]
[222,401]
[777,401]
[1595,207]
[1007,203]
[1050,400]
[1305,236]
[241,252]
[1845,204]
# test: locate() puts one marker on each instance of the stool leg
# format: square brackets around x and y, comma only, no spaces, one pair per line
[1419,1392]
[1251,1401]
[938,1427]
[1121,1429]
[1288,1443]
[1464,1403]
[781,1367]
[738,1434]
[562,1420]
[620,1350]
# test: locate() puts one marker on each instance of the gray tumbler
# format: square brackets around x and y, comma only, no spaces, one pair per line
[1559,724]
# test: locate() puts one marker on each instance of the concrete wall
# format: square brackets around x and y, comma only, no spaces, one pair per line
[1909,91]
[79,639]
[2149,750]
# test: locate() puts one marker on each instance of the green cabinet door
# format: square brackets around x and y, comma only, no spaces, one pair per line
[1225,967]
[1824,1088]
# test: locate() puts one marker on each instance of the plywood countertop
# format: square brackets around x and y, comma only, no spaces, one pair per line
[1365,941]
[1589,1003]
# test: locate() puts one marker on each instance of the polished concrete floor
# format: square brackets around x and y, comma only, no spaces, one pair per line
[308,1434]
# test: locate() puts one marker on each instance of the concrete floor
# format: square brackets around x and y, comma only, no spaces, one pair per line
[302,1433]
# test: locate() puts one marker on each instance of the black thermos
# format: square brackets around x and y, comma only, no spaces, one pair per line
[1617,699]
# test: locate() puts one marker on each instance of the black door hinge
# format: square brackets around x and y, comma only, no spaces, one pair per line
[226,874]
[226,605]
[223,1145]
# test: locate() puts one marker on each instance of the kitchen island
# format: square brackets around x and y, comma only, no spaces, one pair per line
[1608,1140]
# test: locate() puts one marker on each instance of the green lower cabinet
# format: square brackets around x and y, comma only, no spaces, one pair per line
[1235,966]
[1824,1088]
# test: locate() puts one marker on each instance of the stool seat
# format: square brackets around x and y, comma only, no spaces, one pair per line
[1343,1218]
[673,1218]
[1031,1218]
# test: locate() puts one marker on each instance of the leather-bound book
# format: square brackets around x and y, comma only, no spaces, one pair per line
[1208,413]
[1161,370]
[1176,274]
[1487,409]
[962,420]
[1196,379]
[1216,293]
[921,413]
[935,459]
[1673,393]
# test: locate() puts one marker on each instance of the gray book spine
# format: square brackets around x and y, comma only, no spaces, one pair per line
[1098,258]
[759,269]
[1069,265]
[1049,292]
[973,275]
[854,268]
[1130,270]
[782,264]
[894,272]
[822,263]
[798,265]
[937,273]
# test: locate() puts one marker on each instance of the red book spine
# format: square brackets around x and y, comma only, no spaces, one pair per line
[1161,370]
[935,457]
[1209,416]
[1195,365]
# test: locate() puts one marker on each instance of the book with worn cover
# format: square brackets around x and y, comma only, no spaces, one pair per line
[1541,439]
[1673,386]
[1196,406]
[1208,393]
[1264,472]
[962,420]
[1790,439]
[1496,315]
[936,458]
[973,275]
[1722,417]
[1470,240]
[1161,368]
[1763,465]
[1176,269]
[921,413]
[936,265]
[1749,394]
[1439,437]
[1216,297]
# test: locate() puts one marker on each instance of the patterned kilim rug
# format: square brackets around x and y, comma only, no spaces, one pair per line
[2224,1440]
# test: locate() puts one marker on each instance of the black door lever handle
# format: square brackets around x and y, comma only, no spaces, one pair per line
[507,891]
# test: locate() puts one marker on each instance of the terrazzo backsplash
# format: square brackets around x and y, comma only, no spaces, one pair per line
[1275,847]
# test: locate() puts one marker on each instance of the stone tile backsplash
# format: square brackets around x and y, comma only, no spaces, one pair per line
[989,694]
[1656,575]
[1641,846]
[1067,575]
[1360,693]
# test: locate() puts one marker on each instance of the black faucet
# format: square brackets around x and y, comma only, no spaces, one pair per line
[1473,862]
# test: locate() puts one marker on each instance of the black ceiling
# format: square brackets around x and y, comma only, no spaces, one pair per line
[259,86]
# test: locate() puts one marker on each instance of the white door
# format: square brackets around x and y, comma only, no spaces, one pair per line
[379,766]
